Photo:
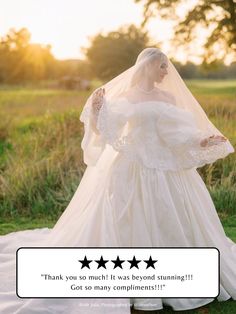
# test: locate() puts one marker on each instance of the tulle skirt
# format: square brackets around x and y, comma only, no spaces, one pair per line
[124,204]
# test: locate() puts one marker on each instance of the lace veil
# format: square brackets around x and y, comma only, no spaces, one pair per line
[142,82]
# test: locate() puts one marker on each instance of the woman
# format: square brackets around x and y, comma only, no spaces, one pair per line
[145,136]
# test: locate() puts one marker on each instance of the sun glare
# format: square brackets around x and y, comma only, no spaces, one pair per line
[67,24]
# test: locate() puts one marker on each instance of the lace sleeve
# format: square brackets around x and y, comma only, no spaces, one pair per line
[178,130]
[110,124]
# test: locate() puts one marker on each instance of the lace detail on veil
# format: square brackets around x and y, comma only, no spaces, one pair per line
[173,144]
[194,156]
[183,138]
[208,155]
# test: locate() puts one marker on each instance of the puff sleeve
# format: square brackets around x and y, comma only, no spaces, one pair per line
[178,130]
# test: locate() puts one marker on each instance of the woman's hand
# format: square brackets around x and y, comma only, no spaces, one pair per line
[213,140]
[97,99]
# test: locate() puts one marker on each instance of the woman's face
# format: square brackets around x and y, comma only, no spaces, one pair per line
[163,69]
[159,70]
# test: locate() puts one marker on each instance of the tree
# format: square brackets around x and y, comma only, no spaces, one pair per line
[217,15]
[21,60]
[111,54]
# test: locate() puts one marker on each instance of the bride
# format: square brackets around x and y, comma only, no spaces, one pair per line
[145,135]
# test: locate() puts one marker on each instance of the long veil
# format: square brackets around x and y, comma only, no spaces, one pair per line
[101,149]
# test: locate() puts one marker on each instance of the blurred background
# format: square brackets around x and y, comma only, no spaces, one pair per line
[53,53]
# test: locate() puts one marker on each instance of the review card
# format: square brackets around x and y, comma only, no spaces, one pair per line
[150,272]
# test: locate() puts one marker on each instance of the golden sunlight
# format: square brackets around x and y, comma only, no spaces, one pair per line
[67,25]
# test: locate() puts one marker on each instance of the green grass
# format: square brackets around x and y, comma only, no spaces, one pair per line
[24,223]
[213,87]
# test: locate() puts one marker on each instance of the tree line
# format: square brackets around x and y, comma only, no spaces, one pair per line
[107,56]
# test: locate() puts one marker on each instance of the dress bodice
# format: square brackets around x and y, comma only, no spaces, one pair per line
[142,142]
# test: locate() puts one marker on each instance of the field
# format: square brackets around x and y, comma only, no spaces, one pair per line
[41,159]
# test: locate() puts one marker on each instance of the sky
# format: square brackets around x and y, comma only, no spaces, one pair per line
[67,25]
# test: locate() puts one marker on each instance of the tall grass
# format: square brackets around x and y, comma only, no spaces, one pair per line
[41,159]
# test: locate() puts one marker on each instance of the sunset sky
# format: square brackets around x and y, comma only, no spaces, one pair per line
[67,24]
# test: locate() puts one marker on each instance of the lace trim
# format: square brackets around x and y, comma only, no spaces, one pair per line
[192,154]
[210,154]
[109,127]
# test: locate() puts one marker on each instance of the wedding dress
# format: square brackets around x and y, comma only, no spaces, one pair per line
[138,190]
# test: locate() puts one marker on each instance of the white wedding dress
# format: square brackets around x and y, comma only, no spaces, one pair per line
[149,194]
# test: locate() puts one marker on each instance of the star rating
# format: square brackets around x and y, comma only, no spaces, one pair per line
[150,262]
[134,263]
[101,262]
[85,262]
[117,262]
